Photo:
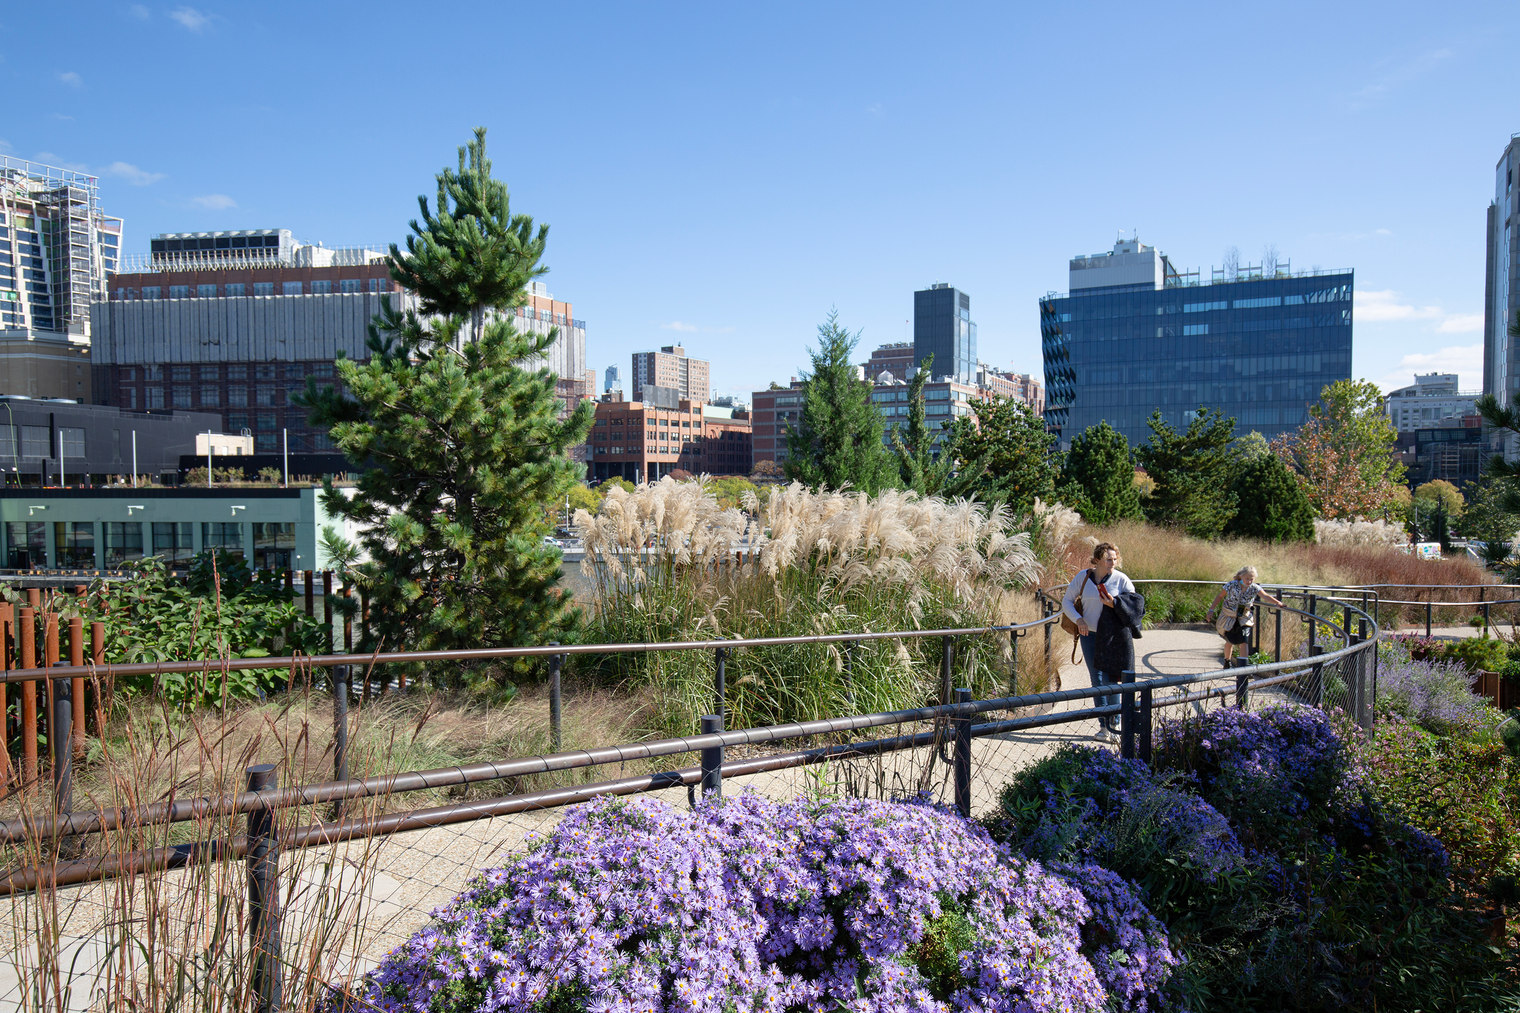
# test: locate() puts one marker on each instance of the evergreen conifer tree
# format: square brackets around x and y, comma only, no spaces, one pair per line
[1192,471]
[1008,450]
[837,441]
[924,466]
[1099,476]
[459,433]
[1270,502]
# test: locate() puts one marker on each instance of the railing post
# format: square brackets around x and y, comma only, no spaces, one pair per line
[1127,715]
[1485,619]
[1014,636]
[720,680]
[961,724]
[309,596]
[946,667]
[327,610]
[847,669]
[1317,674]
[1147,705]
[1277,636]
[61,738]
[1313,623]
[1354,684]
[340,730]
[7,641]
[1045,615]
[1429,608]
[1346,619]
[712,758]
[27,638]
[264,893]
[1242,687]
[556,662]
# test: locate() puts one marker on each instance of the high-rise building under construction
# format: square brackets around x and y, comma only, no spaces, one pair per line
[57,250]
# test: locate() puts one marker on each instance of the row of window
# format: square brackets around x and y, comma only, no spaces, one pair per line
[235,371]
[74,542]
[39,441]
[235,290]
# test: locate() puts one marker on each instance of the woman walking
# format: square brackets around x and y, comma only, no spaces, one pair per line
[1239,614]
[1107,609]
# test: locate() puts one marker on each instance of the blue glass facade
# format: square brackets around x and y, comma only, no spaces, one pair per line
[1259,349]
[942,327]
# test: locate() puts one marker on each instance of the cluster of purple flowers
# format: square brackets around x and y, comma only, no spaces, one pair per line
[748,904]
[1436,695]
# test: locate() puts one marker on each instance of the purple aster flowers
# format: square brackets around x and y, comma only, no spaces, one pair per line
[753,905]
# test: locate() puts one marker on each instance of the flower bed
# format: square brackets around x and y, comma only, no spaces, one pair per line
[748,904]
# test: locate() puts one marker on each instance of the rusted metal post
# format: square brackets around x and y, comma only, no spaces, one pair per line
[264,893]
[712,758]
[28,659]
[98,658]
[7,652]
[961,724]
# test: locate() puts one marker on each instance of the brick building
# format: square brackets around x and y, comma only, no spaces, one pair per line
[643,441]
[727,441]
[672,367]
[771,411]
[895,357]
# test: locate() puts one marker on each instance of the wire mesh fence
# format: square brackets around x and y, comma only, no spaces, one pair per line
[311,888]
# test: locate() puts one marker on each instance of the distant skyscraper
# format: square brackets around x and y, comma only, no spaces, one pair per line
[671,367]
[56,251]
[613,380]
[1135,336]
[1502,291]
[942,327]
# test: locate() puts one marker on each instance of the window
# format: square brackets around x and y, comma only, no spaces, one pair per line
[73,441]
[274,546]
[237,371]
[179,291]
[290,288]
[129,398]
[263,396]
[123,542]
[1194,329]
[180,397]
[153,371]
[219,536]
[172,541]
[26,545]
[375,285]
[74,544]
[319,288]
[263,371]
[235,289]
[237,396]
[348,285]
[153,397]
[209,373]
[179,374]
[211,396]
[205,291]
[295,371]
[263,288]
[150,292]
[265,422]
[34,441]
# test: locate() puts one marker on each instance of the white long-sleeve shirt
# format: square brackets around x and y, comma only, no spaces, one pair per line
[1117,583]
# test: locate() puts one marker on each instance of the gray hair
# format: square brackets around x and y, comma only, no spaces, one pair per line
[1245,570]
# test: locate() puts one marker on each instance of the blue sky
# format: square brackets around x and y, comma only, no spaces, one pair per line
[722,175]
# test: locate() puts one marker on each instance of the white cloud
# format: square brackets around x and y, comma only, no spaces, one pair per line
[214,202]
[1378,306]
[72,79]
[1396,77]
[190,18]
[1462,323]
[1464,360]
[677,325]
[139,12]
[131,173]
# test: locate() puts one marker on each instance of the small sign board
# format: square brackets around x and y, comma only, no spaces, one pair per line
[1428,550]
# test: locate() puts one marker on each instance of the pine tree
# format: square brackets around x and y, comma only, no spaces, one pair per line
[1099,476]
[458,431]
[927,466]
[837,441]
[1011,449]
[1270,502]
[1192,471]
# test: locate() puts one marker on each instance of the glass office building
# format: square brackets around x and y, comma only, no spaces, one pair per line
[1135,336]
[942,327]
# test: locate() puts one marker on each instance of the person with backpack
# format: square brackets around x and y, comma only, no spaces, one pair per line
[1103,605]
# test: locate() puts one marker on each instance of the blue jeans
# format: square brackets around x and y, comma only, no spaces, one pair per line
[1090,655]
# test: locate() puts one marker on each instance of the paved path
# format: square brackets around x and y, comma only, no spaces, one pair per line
[385,888]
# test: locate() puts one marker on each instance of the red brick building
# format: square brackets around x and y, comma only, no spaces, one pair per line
[644,442]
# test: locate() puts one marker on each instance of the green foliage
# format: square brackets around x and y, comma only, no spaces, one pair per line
[464,446]
[219,609]
[928,467]
[1344,452]
[1009,448]
[1099,476]
[1192,471]
[732,490]
[1487,521]
[1477,653]
[837,442]
[1270,504]
[1441,491]
[196,477]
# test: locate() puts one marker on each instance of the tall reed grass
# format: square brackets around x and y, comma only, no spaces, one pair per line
[666,562]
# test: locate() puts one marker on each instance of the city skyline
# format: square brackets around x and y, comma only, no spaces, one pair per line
[722,181]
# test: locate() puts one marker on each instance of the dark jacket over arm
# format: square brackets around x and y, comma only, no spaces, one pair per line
[1117,629]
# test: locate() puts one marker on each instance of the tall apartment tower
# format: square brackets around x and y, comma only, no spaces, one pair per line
[57,250]
[1502,289]
[612,380]
[671,367]
[1135,336]
[942,327]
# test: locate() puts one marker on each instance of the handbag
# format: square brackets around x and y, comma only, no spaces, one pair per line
[1225,621]
[1066,622]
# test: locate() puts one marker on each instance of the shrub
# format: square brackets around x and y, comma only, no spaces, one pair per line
[752,904]
[1432,693]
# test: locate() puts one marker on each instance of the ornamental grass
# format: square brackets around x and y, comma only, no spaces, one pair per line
[667,563]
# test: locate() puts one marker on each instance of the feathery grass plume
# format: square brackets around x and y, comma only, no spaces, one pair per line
[1379,533]
[667,562]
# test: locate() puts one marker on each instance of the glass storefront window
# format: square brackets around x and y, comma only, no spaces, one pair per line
[124,541]
[225,537]
[74,544]
[25,545]
[173,542]
[274,546]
